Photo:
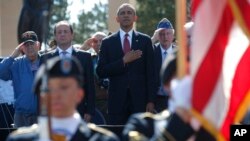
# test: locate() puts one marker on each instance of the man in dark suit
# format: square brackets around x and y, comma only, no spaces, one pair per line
[126,58]
[63,33]
[165,35]
[66,123]
[179,125]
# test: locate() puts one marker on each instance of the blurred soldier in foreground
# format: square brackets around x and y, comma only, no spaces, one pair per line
[162,126]
[65,120]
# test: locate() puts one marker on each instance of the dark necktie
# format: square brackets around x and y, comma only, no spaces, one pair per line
[164,55]
[126,44]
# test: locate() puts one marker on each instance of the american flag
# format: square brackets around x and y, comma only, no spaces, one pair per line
[220,63]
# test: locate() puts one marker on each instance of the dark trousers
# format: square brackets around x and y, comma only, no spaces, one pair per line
[122,118]
[161,103]
[6,115]
[6,119]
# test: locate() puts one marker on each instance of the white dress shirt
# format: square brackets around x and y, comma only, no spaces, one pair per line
[169,50]
[66,126]
[69,52]
[122,36]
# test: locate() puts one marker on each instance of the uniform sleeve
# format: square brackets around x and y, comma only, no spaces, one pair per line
[139,123]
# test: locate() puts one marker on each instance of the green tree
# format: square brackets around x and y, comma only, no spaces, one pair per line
[150,12]
[58,12]
[91,22]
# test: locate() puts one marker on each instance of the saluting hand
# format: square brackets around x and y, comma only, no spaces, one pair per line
[18,50]
[155,37]
[131,56]
[88,44]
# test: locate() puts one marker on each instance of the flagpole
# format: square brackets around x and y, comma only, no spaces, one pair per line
[180,13]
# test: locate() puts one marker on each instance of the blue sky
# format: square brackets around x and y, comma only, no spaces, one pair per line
[77,6]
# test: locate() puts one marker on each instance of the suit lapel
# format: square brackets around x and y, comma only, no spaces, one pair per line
[54,53]
[74,52]
[117,46]
[159,56]
[135,41]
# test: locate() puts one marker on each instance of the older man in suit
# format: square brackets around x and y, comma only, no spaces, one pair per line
[165,35]
[126,58]
[63,33]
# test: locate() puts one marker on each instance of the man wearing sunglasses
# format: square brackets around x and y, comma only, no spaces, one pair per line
[21,67]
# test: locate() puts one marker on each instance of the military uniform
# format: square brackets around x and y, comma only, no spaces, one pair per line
[83,133]
[163,126]
[144,124]
[66,123]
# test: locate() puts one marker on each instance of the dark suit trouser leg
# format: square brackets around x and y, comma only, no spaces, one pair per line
[161,103]
[121,118]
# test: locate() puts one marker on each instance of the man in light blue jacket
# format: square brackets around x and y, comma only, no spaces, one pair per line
[21,70]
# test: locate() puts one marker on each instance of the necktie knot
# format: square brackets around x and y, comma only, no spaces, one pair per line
[126,44]
[64,52]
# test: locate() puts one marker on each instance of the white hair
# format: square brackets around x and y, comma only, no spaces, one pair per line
[99,33]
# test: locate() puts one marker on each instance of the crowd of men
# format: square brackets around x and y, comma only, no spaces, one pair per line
[134,69]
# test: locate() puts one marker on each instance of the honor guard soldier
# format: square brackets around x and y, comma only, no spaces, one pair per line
[165,125]
[65,90]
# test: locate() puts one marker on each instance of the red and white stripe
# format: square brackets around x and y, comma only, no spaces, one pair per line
[219,57]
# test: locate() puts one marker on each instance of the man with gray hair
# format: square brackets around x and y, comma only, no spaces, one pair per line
[165,35]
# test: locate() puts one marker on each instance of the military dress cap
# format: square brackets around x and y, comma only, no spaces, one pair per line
[169,68]
[164,24]
[29,36]
[59,67]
